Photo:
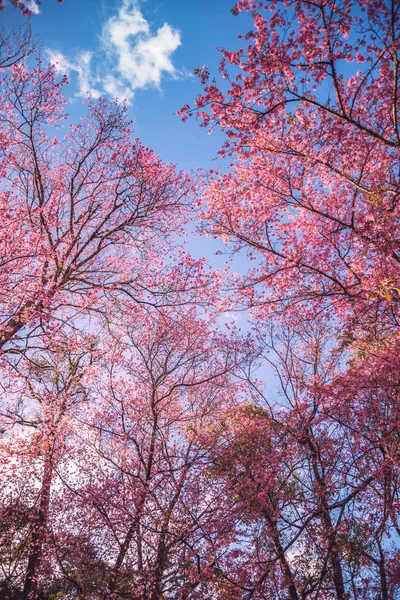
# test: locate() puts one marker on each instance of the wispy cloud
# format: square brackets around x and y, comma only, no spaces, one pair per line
[129,57]
[81,66]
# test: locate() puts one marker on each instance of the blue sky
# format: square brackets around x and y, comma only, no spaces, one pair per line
[144,50]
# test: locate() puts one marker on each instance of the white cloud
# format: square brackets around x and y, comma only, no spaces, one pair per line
[130,56]
[115,88]
[31,6]
[141,57]
[59,61]
[81,66]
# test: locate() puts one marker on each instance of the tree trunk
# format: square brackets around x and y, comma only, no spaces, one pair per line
[38,534]
[334,557]
[286,570]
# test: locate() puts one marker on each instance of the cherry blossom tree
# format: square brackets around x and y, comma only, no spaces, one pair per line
[88,219]
[310,479]
[102,441]
[165,378]
[142,456]
[310,107]
[15,46]
[78,212]
[42,394]
[311,117]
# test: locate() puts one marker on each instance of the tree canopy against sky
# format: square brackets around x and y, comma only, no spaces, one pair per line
[152,109]
[143,451]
